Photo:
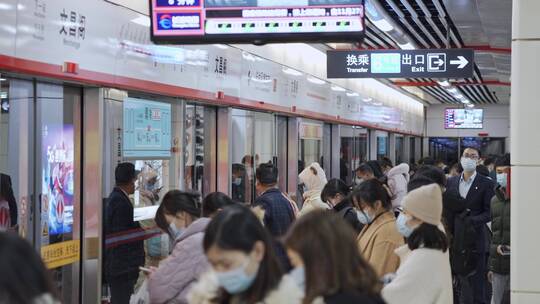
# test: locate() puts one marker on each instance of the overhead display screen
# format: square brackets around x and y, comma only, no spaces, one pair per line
[147,129]
[464,119]
[256,21]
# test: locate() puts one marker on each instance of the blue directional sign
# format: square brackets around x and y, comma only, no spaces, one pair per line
[438,63]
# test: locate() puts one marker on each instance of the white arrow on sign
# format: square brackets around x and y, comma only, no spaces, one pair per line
[462,62]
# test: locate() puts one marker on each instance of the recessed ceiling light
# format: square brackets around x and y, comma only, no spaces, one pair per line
[444,83]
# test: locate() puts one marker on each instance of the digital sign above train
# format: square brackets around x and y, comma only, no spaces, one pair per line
[256,21]
[464,118]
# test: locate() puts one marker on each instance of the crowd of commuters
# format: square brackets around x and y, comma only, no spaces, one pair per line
[426,233]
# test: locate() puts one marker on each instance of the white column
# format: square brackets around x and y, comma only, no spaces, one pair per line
[525,149]
[372,145]
[392,147]
[417,148]
[407,149]
[425,151]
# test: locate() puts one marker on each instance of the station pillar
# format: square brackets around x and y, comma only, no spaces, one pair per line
[525,149]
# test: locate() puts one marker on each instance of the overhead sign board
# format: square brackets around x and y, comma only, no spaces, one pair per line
[256,21]
[434,63]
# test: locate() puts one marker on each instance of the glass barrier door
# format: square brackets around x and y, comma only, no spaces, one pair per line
[253,140]
[57,225]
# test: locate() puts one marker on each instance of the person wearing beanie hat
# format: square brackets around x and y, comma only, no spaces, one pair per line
[424,275]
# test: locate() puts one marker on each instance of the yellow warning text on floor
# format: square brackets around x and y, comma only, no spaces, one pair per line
[61,254]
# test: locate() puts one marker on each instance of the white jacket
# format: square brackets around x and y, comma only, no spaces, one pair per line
[398,178]
[312,201]
[423,277]
[314,183]
[206,289]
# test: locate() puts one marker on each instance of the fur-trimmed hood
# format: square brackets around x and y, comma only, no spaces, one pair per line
[206,290]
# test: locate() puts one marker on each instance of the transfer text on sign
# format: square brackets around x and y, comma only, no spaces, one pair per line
[435,63]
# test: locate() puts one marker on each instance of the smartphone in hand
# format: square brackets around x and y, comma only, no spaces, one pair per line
[505,250]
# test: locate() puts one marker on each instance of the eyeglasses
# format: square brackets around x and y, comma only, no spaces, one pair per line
[471,156]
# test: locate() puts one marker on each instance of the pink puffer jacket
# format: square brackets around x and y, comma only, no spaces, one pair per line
[173,279]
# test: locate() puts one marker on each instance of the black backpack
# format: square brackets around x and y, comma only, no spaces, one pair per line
[463,253]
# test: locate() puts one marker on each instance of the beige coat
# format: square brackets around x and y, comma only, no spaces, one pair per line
[378,241]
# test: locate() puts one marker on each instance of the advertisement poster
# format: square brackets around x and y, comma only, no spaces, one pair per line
[58,179]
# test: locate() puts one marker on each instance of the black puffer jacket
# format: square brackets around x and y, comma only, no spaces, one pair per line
[126,254]
[500,225]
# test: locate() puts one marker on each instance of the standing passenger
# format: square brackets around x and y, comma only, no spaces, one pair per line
[172,280]
[379,237]
[398,177]
[24,278]
[278,211]
[477,190]
[336,193]
[6,195]
[122,262]
[363,173]
[499,253]
[328,266]
[424,275]
[314,179]
[245,268]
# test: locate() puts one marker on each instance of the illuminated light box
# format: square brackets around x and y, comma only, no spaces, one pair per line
[147,129]
[256,21]
[464,118]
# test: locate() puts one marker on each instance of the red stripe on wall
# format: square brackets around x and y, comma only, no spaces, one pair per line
[37,68]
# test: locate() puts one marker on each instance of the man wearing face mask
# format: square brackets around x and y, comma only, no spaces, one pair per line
[122,262]
[499,253]
[477,190]
[363,173]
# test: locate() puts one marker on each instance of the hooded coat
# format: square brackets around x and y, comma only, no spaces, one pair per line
[398,178]
[314,178]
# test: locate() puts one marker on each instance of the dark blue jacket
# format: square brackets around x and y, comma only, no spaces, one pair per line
[278,214]
[127,255]
[478,201]
[278,217]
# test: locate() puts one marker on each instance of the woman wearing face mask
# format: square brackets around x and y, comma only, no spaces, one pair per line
[328,266]
[336,193]
[172,280]
[379,237]
[424,275]
[314,179]
[245,268]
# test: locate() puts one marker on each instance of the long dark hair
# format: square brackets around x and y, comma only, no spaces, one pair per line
[334,187]
[177,201]
[371,191]
[6,192]
[215,201]
[24,276]
[428,236]
[237,228]
[327,245]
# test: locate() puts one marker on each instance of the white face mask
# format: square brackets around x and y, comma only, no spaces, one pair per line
[502,179]
[468,164]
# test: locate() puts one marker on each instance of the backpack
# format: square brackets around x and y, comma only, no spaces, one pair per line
[463,253]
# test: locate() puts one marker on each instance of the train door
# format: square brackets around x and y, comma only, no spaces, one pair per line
[253,142]
[40,139]
[354,150]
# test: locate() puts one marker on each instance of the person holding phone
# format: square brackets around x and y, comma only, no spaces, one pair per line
[499,254]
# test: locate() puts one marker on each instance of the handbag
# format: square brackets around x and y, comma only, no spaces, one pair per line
[141,296]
